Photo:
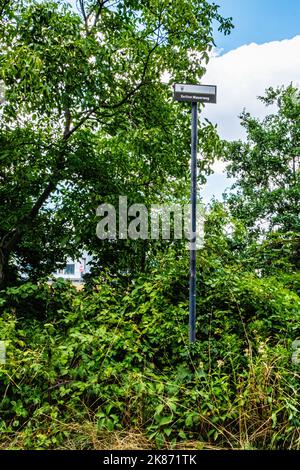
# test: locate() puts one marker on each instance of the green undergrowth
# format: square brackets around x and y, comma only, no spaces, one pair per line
[115,357]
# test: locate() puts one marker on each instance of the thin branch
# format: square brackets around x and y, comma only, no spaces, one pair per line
[134,90]
[3,5]
[68,121]
[60,384]
[70,132]
[99,11]
[82,9]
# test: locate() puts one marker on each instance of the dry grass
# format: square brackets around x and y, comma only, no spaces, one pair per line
[86,437]
[130,440]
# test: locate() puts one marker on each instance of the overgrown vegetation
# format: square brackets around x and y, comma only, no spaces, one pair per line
[114,359]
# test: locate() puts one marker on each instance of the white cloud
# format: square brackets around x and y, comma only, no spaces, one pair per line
[241,75]
[219,167]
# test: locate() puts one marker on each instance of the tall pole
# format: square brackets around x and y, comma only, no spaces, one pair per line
[192,312]
[194,94]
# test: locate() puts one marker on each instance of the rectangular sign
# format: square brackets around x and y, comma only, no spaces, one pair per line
[195,93]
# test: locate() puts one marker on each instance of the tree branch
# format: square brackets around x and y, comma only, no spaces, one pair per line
[81,7]
[70,132]
[98,12]
[3,5]
[68,121]
[134,90]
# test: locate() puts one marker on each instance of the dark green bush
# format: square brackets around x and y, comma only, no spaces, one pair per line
[118,354]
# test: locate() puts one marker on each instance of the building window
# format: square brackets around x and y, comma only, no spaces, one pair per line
[69,269]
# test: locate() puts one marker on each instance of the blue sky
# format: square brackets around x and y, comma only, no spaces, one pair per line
[263,50]
[243,71]
[259,21]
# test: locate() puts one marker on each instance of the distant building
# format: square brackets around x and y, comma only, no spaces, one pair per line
[75,270]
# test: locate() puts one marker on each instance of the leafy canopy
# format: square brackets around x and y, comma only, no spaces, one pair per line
[88,115]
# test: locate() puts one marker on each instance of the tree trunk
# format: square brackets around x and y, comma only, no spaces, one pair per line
[4,257]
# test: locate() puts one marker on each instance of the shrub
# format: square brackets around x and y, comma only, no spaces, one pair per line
[117,356]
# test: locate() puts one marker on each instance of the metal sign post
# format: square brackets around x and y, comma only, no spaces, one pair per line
[194,94]
[192,317]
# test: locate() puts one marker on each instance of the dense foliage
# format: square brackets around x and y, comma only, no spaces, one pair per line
[266,196]
[88,116]
[115,357]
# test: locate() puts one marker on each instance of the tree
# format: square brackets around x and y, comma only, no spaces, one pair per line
[266,167]
[266,194]
[83,90]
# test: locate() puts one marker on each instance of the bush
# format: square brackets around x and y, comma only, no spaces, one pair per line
[117,357]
